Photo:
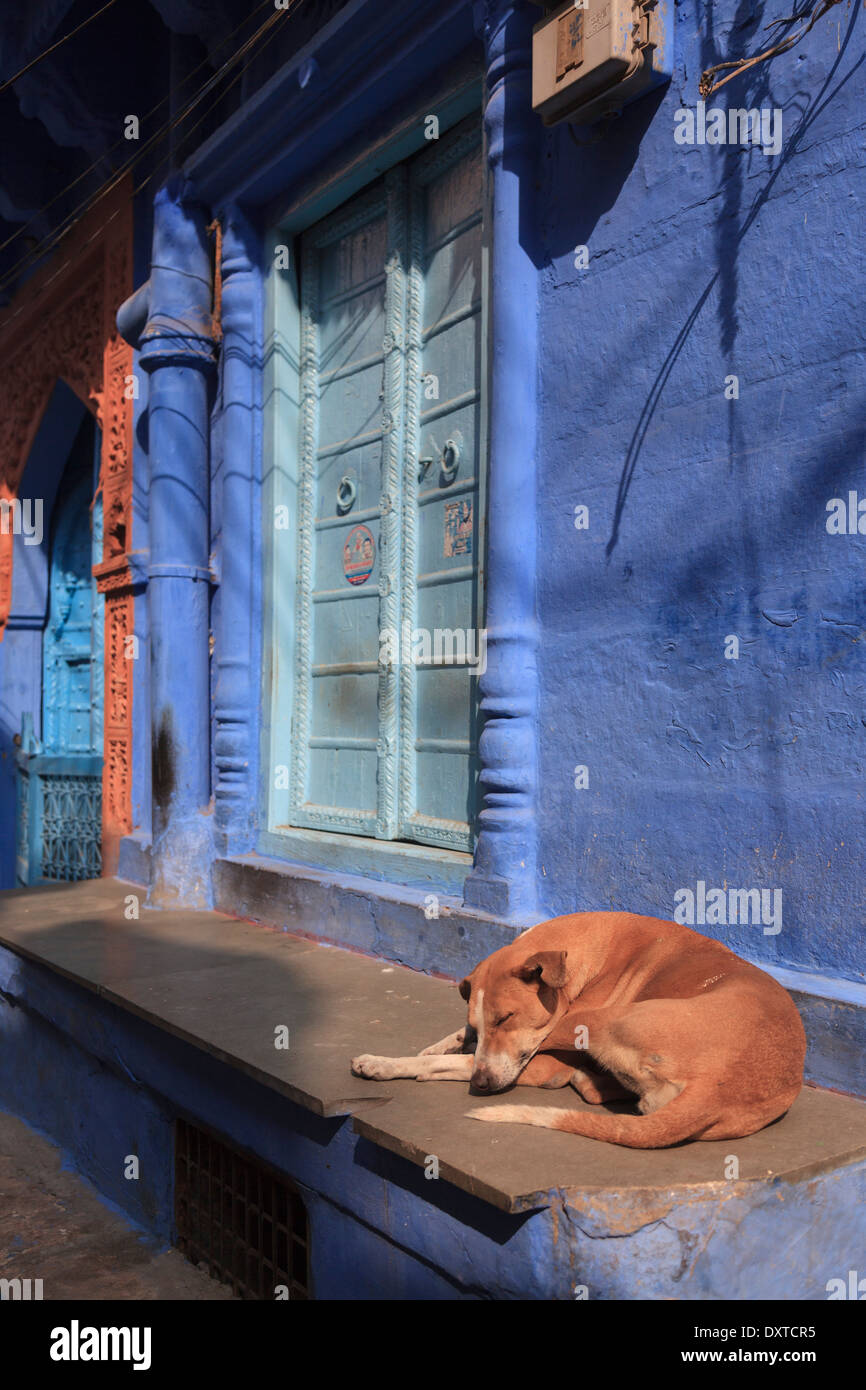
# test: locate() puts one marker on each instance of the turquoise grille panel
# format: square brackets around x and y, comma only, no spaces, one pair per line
[71,827]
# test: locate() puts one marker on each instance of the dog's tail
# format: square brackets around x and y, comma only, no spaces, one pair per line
[684,1117]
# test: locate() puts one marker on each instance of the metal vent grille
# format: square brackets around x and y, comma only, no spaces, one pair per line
[247,1224]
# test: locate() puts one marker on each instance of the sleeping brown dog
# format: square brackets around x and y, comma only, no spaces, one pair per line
[620,1006]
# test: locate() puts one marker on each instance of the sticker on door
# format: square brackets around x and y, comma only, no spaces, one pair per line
[458,528]
[359,555]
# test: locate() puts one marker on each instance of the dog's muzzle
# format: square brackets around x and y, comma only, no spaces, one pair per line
[483,1081]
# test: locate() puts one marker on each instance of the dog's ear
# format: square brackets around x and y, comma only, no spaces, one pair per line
[548,966]
[465,988]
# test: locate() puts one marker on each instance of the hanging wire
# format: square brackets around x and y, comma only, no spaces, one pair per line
[293,7]
[53,238]
[38,59]
[19,231]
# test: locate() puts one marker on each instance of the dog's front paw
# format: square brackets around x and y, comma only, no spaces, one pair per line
[374,1068]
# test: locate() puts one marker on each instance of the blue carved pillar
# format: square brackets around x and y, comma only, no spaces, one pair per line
[235,741]
[177,350]
[503,880]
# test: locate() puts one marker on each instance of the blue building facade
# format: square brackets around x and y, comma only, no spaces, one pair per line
[579,404]
[662,559]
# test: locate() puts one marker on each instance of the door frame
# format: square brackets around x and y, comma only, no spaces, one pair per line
[294,470]
[297,834]
[297,149]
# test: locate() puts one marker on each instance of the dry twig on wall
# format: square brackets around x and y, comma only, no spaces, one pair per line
[806,18]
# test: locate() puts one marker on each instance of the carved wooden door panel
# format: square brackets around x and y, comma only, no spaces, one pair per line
[442,533]
[390,500]
[71,701]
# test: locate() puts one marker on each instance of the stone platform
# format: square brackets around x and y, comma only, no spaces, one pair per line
[166,998]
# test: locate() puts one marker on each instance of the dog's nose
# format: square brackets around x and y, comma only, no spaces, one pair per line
[481,1080]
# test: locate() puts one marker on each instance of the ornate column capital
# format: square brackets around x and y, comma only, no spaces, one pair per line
[506,31]
[179,328]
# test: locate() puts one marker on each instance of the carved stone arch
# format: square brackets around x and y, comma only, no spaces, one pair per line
[61,324]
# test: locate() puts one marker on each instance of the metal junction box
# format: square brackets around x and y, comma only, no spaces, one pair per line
[591,59]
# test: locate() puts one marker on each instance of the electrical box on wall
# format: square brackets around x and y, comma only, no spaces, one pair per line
[590,58]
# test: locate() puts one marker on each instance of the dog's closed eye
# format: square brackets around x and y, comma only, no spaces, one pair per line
[504,1019]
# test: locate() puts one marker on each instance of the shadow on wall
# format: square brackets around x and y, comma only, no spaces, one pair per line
[698,749]
[602,157]
[729,239]
[807,494]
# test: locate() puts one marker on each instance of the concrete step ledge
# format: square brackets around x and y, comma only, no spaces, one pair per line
[226,986]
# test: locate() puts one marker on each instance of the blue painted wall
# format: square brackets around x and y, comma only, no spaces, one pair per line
[707,516]
[707,521]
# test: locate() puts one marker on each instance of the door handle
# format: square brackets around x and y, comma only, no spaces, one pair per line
[347,491]
[449,462]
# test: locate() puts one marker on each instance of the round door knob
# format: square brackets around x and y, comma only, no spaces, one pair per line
[347,491]
[450,461]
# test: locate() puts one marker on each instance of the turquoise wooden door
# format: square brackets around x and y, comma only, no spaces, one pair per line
[72,645]
[60,775]
[389,595]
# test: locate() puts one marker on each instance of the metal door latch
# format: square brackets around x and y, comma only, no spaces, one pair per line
[347,491]
[449,462]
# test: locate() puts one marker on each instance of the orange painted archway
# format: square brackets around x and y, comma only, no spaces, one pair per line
[61,324]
